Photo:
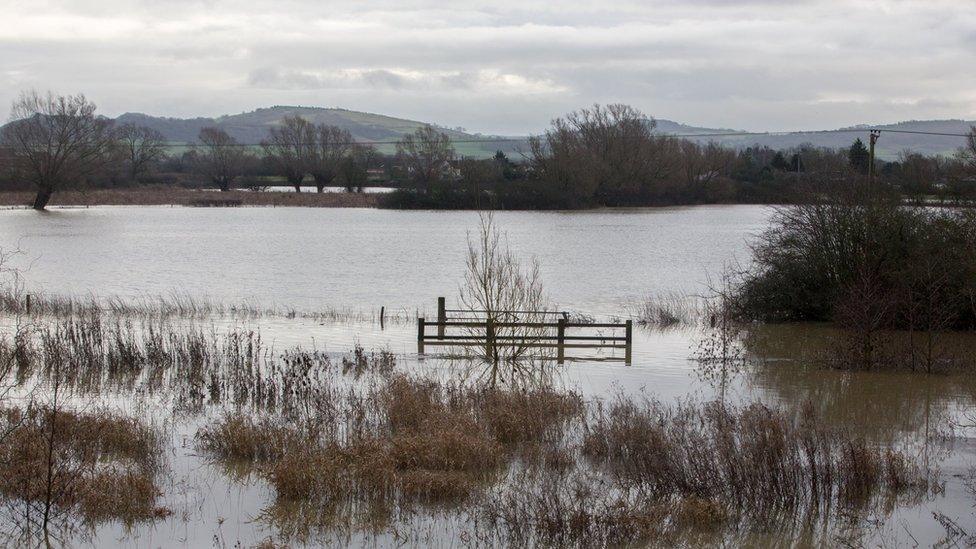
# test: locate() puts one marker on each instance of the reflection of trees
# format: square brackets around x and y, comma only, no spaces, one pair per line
[788,365]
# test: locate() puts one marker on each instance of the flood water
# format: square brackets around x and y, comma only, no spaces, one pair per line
[601,263]
[597,261]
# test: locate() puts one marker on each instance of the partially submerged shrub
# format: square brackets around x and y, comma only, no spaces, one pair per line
[242,437]
[95,465]
[865,259]
[752,456]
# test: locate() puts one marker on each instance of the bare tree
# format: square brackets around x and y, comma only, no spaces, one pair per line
[140,147]
[354,167]
[221,157]
[290,147]
[607,153]
[701,164]
[497,286]
[332,145]
[56,141]
[968,152]
[426,155]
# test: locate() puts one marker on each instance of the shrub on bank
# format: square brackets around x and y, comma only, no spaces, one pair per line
[866,260]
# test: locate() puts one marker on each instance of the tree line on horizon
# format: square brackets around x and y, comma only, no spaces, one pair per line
[600,156]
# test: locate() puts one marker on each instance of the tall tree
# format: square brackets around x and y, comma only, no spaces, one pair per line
[779,162]
[220,157]
[426,155]
[968,152]
[56,141]
[858,156]
[332,145]
[290,147]
[605,153]
[140,148]
[354,168]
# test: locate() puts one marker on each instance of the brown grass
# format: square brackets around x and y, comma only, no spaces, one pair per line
[406,441]
[13,301]
[177,196]
[752,456]
[542,467]
[98,465]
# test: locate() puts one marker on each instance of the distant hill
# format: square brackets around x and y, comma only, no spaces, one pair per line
[252,127]
[889,145]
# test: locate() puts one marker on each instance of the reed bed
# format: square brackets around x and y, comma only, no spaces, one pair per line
[539,466]
[15,301]
[193,364]
[353,443]
[96,465]
[669,310]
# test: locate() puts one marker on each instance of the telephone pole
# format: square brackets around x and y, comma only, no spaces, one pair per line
[875,134]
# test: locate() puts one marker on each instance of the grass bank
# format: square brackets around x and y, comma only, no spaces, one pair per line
[177,196]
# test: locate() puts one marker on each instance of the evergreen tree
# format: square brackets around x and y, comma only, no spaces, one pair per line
[796,163]
[779,162]
[858,156]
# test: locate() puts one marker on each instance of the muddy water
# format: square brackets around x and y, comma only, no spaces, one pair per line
[599,263]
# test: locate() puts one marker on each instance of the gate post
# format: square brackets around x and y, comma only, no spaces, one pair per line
[441,317]
[561,340]
[420,335]
[630,340]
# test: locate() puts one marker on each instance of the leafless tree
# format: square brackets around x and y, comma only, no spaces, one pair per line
[332,145]
[220,157]
[497,287]
[603,152]
[701,164]
[354,167]
[290,147]
[968,152]
[56,141]
[426,156]
[140,147]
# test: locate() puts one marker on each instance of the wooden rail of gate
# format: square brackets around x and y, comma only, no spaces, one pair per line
[551,335]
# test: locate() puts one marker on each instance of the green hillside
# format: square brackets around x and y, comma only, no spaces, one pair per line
[252,127]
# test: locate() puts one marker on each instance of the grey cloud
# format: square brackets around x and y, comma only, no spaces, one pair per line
[505,66]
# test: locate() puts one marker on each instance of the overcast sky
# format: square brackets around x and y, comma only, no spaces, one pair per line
[504,66]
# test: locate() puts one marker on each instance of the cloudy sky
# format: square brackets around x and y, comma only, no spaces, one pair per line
[504,66]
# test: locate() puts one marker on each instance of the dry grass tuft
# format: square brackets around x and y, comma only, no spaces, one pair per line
[753,456]
[241,437]
[98,465]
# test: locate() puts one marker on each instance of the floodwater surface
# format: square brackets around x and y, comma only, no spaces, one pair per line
[600,263]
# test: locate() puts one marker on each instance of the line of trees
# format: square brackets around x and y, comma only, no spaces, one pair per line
[611,156]
[60,142]
[601,156]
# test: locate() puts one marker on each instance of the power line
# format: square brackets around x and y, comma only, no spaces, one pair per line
[682,135]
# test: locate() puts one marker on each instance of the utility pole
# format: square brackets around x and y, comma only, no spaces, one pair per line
[875,134]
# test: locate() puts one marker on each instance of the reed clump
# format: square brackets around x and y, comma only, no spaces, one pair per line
[16,300]
[752,456]
[199,366]
[381,362]
[668,310]
[241,437]
[96,465]
[541,466]
[407,440]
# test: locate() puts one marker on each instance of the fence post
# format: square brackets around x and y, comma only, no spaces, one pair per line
[561,340]
[490,339]
[28,304]
[420,335]
[630,339]
[382,314]
[441,317]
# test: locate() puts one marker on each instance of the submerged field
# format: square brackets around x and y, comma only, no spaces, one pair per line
[279,411]
[235,437]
